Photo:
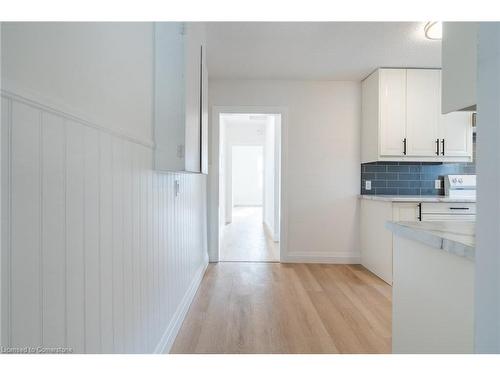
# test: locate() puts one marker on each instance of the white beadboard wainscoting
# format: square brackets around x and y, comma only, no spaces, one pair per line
[99,253]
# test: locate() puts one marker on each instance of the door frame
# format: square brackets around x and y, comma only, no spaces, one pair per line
[214,169]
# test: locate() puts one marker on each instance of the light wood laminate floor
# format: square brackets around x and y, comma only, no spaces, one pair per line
[288,308]
[246,240]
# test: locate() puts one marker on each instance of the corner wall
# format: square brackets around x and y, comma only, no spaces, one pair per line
[487,283]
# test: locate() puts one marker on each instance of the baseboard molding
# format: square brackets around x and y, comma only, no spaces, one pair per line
[348,258]
[168,337]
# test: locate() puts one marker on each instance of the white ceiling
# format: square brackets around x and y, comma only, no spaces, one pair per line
[316,50]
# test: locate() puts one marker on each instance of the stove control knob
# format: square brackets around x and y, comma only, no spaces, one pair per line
[460,180]
[454,180]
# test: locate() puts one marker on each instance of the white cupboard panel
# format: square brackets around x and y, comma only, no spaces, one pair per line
[459,61]
[422,111]
[376,240]
[456,130]
[405,211]
[401,107]
[194,38]
[392,111]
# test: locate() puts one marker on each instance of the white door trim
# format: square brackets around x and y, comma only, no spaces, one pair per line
[214,167]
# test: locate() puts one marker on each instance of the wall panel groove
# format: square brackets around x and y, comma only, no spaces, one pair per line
[41,221]
[98,254]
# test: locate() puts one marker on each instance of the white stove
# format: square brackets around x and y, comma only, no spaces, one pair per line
[460,186]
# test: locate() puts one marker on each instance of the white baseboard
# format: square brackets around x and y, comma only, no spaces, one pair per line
[343,258]
[168,337]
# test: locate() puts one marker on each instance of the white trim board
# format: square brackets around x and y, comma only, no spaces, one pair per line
[314,257]
[168,337]
[213,182]
[50,105]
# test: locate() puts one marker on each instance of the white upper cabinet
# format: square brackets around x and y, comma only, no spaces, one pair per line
[169,98]
[392,88]
[422,111]
[459,60]
[456,135]
[402,120]
[181,107]
[195,51]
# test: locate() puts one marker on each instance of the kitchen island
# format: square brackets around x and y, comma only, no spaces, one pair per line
[433,287]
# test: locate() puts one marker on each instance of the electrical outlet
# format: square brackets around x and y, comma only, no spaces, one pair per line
[368,185]
[437,184]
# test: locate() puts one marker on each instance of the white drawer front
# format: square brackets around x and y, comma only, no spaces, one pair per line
[443,217]
[449,208]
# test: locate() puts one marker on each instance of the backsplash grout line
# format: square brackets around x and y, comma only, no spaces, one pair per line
[409,178]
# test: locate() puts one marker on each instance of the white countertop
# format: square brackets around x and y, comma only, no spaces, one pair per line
[455,237]
[415,198]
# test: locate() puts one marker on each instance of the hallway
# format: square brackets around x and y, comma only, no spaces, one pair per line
[246,239]
[288,308]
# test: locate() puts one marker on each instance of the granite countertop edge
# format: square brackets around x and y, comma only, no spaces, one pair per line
[415,198]
[433,240]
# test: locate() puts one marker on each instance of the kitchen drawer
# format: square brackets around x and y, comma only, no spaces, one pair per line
[449,208]
[448,217]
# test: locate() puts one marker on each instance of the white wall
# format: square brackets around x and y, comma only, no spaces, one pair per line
[100,71]
[321,170]
[248,175]
[98,253]
[487,283]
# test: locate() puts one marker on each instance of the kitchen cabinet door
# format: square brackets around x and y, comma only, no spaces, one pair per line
[459,60]
[422,111]
[392,96]
[193,56]
[456,131]
[169,96]
[376,239]
[405,211]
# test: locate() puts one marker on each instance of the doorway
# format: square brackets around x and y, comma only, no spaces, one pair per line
[249,189]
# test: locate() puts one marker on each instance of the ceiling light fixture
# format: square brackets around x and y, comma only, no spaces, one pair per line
[433,30]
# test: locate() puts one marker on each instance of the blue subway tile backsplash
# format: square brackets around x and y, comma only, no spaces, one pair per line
[406,178]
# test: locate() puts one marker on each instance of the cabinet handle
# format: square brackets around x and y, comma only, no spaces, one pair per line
[404,146]
[459,208]
[419,212]
[442,146]
[437,146]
